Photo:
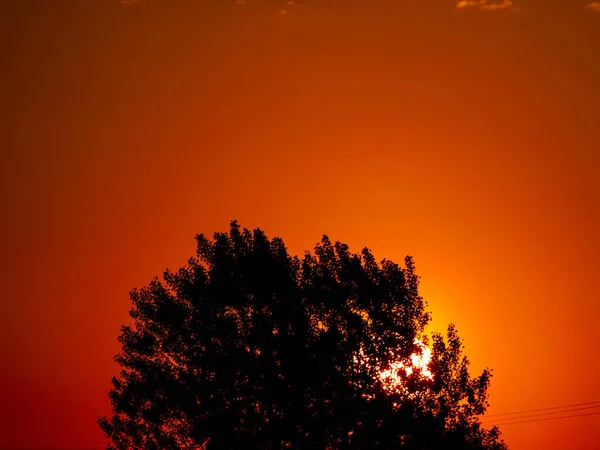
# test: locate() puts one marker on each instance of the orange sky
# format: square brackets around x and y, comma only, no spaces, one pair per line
[465,137]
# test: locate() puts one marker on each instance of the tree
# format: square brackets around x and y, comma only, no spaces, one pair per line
[247,347]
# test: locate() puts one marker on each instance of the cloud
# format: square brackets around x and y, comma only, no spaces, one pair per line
[488,5]
[593,6]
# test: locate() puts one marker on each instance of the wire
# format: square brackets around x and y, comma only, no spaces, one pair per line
[543,414]
[541,409]
[547,418]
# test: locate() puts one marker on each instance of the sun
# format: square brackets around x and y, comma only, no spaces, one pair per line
[392,378]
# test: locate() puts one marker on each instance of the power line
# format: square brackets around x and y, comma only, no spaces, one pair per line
[544,414]
[546,419]
[542,409]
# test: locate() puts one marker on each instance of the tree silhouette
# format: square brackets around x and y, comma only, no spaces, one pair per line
[248,348]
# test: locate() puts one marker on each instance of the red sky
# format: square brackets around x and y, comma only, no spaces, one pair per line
[466,137]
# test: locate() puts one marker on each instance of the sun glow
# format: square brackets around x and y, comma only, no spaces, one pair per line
[393,378]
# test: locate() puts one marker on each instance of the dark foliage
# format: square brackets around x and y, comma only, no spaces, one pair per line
[248,348]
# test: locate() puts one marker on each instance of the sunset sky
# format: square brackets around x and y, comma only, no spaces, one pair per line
[466,134]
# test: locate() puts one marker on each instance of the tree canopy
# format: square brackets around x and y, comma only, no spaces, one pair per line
[247,347]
